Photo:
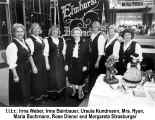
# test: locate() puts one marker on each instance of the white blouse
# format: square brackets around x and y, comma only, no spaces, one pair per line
[76,49]
[30,43]
[101,42]
[116,47]
[138,49]
[11,53]
[55,41]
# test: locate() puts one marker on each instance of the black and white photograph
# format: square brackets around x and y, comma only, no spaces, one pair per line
[78,53]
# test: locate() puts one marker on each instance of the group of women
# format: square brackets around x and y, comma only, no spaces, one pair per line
[36,64]
[39,66]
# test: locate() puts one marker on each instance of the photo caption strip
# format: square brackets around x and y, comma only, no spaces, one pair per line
[73,113]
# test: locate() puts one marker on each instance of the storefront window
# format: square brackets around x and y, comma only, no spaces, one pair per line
[134,21]
[129,18]
[4,33]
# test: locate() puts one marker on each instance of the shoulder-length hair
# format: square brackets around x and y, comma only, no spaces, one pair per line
[52,28]
[113,27]
[33,25]
[96,24]
[16,26]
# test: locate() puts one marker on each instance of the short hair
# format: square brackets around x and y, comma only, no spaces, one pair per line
[76,28]
[113,27]
[52,28]
[16,26]
[33,25]
[128,31]
[97,24]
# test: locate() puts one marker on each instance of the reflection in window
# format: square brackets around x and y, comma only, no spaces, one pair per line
[4,36]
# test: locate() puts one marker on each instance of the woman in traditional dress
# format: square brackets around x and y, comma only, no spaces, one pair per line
[77,60]
[38,51]
[97,43]
[112,45]
[55,62]
[18,55]
[128,48]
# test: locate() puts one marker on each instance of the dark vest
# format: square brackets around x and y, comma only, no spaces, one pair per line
[55,50]
[69,50]
[109,49]
[94,48]
[38,47]
[22,54]
[124,56]
[83,50]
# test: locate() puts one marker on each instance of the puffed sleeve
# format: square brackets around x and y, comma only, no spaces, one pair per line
[101,44]
[46,49]
[11,55]
[30,43]
[116,49]
[138,50]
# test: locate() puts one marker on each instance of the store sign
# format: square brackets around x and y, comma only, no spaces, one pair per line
[126,4]
[130,4]
[70,10]
[80,13]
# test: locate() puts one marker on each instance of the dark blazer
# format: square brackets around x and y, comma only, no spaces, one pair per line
[83,53]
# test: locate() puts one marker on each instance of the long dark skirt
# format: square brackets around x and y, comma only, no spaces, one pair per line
[39,80]
[102,68]
[57,81]
[75,74]
[20,92]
